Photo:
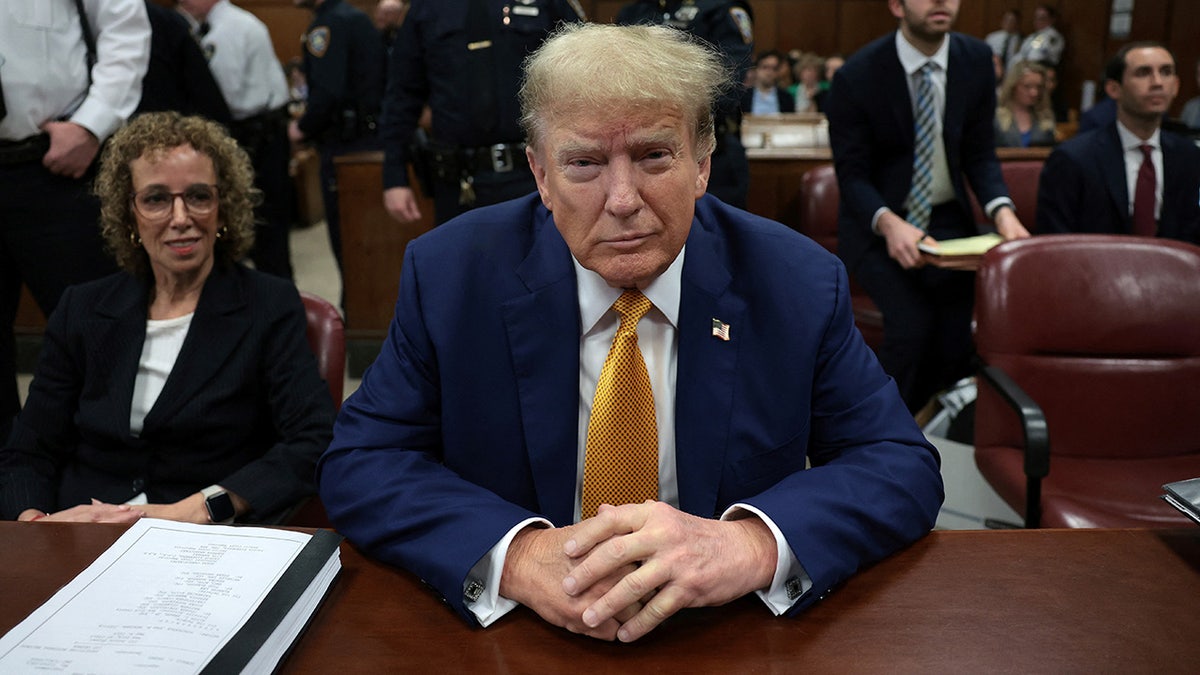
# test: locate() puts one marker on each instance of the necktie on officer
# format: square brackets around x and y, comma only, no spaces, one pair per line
[920,196]
[621,462]
[1144,222]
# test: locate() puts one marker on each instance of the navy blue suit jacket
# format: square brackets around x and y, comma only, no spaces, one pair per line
[243,407]
[466,424]
[1083,187]
[872,136]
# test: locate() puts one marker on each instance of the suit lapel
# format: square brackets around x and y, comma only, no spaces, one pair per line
[113,337]
[1172,174]
[706,369]
[1112,165]
[899,101]
[543,334]
[218,326]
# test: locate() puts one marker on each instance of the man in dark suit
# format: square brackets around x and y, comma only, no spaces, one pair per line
[467,454]
[766,96]
[890,202]
[1091,183]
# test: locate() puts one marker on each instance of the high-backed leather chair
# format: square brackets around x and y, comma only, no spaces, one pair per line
[1089,399]
[819,197]
[1021,176]
[327,338]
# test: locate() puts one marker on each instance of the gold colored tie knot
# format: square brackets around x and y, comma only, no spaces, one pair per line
[632,306]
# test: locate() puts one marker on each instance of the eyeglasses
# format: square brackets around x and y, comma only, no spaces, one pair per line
[156,203]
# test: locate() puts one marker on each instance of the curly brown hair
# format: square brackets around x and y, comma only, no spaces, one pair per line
[162,131]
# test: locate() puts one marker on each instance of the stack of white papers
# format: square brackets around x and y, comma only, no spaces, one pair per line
[172,597]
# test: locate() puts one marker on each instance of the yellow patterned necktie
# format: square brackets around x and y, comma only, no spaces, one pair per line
[621,465]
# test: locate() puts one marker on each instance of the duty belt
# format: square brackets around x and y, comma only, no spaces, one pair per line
[27,150]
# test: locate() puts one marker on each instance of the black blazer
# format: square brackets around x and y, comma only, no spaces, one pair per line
[787,103]
[1083,187]
[872,136]
[243,406]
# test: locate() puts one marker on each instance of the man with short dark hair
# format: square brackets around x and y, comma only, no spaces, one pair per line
[910,117]
[766,97]
[1130,176]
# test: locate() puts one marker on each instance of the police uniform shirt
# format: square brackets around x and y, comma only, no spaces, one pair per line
[431,64]
[1043,45]
[242,60]
[344,64]
[43,64]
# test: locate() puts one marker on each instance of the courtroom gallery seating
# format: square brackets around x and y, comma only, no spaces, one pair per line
[1090,389]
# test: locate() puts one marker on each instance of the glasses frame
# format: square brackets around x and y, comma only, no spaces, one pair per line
[133,200]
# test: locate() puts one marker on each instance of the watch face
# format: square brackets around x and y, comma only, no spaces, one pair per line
[220,507]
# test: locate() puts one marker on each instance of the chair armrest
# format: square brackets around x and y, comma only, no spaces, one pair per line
[1036,434]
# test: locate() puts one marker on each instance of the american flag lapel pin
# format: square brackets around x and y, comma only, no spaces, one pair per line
[720,329]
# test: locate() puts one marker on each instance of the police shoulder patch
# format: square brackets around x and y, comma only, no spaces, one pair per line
[745,25]
[317,42]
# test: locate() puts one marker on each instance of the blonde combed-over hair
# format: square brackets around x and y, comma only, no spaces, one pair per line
[586,67]
[152,134]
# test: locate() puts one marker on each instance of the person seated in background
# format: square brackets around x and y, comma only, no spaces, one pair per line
[808,93]
[1057,104]
[1131,176]
[738,437]
[182,387]
[1023,116]
[766,97]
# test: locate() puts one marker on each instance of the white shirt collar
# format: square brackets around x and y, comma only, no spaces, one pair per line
[911,59]
[596,296]
[1129,141]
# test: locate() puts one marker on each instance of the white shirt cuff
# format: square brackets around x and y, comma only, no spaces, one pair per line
[482,588]
[990,209]
[790,580]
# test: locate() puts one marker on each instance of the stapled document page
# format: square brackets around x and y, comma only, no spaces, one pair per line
[173,597]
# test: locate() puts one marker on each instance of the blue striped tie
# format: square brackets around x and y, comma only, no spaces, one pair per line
[920,197]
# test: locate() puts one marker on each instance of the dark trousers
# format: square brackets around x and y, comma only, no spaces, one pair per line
[490,188]
[927,343]
[49,239]
[270,151]
[329,191]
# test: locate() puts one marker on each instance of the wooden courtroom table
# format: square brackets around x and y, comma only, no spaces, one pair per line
[1022,601]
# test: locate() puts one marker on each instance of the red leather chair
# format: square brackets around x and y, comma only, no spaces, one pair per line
[819,197]
[327,339]
[1021,177]
[1089,399]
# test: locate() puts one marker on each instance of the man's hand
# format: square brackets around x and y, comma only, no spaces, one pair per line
[902,239]
[534,570]
[295,135]
[72,149]
[681,561]
[1008,225]
[401,204]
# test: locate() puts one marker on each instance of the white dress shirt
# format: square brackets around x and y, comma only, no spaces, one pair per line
[43,64]
[1132,145]
[242,60]
[658,342]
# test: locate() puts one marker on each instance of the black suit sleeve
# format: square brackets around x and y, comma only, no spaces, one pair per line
[1060,187]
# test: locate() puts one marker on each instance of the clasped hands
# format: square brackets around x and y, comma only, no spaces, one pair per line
[622,573]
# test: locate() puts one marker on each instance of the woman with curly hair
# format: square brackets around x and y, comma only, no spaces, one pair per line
[1024,117]
[182,387]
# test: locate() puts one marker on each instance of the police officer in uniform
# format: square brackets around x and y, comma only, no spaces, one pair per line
[462,58]
[68,80]
[728,25]
[344,65]
[242,60]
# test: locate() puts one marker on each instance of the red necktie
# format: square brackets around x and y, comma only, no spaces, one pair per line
[1144,223]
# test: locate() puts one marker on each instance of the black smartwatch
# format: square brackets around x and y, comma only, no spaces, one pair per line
[219,505]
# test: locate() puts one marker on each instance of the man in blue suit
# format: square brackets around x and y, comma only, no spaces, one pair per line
[785,459]
[872,112]
[1089,183]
